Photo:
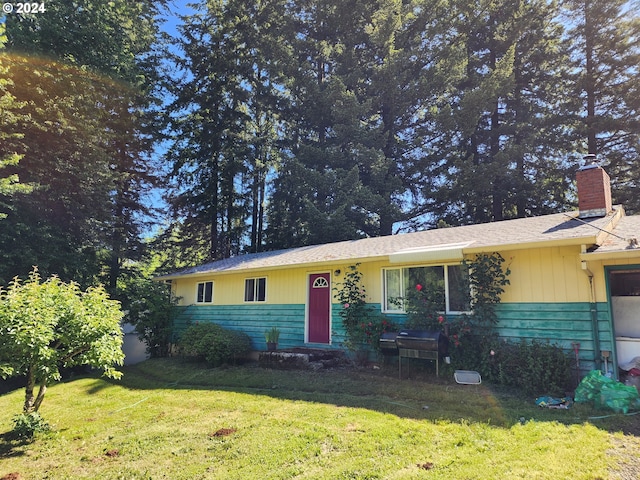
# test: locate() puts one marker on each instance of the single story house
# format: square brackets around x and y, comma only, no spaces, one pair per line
[575,278]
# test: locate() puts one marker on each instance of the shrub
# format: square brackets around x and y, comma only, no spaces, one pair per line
[487,277]
[214,344]
[27,425]
[150,306]
[424,307]
[362,324]
[534,367]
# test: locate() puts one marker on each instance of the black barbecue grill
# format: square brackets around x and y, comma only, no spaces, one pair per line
[423,344]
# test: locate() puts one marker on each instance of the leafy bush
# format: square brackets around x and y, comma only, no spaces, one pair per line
[150,306]
[363,324]
[214,344]
[27,425]
[534,367]
[424,306]
[487,278]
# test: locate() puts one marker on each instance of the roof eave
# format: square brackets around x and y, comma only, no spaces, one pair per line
[565,242]
[626,254]
[322,264]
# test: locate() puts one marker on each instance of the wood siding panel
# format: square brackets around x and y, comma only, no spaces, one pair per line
[251,319]
[546,275]
[558,323]
[283,287]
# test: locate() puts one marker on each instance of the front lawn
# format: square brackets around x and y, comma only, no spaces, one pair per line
[179,420]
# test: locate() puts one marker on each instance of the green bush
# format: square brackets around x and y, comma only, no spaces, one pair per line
[536,368]
[214,344]
[27,425]
[363,324]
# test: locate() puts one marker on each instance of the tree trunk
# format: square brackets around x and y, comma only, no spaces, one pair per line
[592,146]
[29,400]
[41,391]
[32,403]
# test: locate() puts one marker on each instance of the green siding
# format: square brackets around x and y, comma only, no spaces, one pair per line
[559,323]
[254,320]
[251,319]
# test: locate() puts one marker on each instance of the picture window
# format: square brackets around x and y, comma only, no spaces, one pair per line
[449,283]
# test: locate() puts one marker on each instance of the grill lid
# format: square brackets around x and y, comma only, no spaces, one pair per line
[423,340]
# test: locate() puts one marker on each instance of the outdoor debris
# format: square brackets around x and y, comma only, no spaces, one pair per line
[467,377]
[634,363]
[631,377]
[605,392]
[552,402]
[302,359]
[223,432]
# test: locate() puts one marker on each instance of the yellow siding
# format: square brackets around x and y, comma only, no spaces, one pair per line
[546,275]
[552,275]
[599,280]
[283,287]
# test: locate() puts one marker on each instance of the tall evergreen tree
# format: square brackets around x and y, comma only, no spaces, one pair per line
[500,122]
[225,124]
[366,73]
[605,45]
[86,141]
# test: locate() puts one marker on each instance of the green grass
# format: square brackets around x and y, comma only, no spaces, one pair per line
[177,420]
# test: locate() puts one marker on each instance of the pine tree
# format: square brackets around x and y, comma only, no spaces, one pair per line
[500,122]
[87,139]
[605,46]
[225,125]
[359,121]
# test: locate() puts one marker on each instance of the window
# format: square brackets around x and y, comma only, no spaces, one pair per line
[448,284]
[255,289]
[205,292]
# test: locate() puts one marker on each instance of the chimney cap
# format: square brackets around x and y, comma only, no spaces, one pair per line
[589,161]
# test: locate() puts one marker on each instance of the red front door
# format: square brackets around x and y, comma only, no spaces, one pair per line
[319,307]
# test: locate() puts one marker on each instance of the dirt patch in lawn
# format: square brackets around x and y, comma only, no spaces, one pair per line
[626,457]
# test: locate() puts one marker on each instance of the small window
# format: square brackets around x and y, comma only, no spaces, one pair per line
[255,289]
[320,282]
[204,292]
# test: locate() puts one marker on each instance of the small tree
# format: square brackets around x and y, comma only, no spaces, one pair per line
[488,278]
[363,326]
[150,306]
[47,326]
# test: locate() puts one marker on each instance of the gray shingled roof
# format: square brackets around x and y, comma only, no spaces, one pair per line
[509,234]
[627,229]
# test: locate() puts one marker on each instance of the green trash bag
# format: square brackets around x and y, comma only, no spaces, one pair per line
[617,397]
[591,386]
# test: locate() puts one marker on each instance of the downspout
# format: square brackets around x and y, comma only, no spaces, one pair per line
[595,332]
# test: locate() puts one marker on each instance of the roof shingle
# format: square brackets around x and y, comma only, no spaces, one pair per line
[517,233]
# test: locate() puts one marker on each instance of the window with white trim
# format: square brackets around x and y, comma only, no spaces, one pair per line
[255,289]
[204,292]
[449,283]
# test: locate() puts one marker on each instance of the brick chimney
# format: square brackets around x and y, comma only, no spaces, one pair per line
[594,189]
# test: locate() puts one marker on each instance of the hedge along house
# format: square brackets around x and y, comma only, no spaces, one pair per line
[575,279]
